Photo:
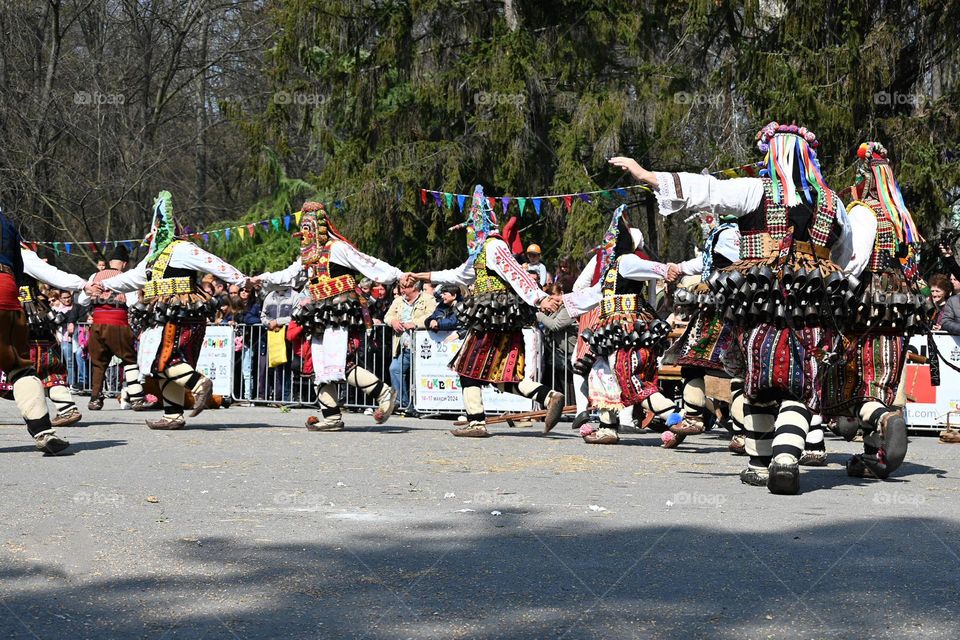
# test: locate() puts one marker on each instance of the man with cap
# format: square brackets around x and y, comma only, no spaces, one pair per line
[535,267]
[110,335]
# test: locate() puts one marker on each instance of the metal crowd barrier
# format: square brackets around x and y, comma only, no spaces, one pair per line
[253,381]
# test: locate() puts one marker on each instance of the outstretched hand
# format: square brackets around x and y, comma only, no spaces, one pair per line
[93,289]
[550,304]
[638,172]
[673,272]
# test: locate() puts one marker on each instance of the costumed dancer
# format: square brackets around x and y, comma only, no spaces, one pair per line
[783,293]
[45,352]
[863,383]
[15,359]
[626,337]
[334,313]
[504,301]
[174,310]
[111,336]
[702,348]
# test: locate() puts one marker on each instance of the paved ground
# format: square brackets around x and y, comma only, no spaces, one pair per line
[247,526]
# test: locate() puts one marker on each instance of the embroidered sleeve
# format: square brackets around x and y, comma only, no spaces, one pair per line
[582,301]
[34,267]
[463,275]
[502,262]
[636,268]
[189,256]
[285,277]
[375,269]
[128,281]
[678,192]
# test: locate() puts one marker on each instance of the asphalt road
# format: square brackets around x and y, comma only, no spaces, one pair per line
[247,526]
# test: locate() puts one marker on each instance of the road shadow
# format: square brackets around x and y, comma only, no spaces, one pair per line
[512,576]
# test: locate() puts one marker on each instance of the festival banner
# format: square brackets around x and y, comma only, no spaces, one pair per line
[437,387]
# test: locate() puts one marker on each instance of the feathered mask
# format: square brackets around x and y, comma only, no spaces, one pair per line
[163,228]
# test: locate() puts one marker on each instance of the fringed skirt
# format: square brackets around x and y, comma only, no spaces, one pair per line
[180,342]
[784,364]
[623,379]
[704,344]
[869,369]
[47,359]
[491,356]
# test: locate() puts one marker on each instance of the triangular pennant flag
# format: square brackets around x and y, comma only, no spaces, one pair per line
[554,201]
[286,222]
[240,230]
[436,198]
[216,235]
[296,217]
[606,194]
[585,197]
[128,245]
[250,228]
[423,196]
[506,203]
[206,238]
[275,223]
[91,246]
[265,225]
[226,233]
[493,203]
[523,203]
[536,206]
[461,198]
[622,192]
[730,173]
[103,245]
[568,200]
[449,199]
[338,204]
[67,245]
[750,170]
[56,248]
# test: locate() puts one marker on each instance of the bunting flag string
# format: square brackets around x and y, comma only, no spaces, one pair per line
[440,198]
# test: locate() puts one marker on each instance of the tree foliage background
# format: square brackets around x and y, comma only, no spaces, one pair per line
[244,108]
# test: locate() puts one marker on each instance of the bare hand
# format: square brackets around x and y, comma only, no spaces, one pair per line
[93,289]
[397,326]
[434,324]
[638,172]
[272,325]
[550,304]
[673,272]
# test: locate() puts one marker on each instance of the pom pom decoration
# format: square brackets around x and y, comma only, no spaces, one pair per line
[773,128]
[668,437]
[586,430]
[674,418]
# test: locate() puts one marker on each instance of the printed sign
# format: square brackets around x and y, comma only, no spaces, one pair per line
[216,355]
[927,405]
[437,387]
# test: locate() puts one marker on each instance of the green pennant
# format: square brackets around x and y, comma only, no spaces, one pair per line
[523,203]
[275,223]
[449,198]
[606,194]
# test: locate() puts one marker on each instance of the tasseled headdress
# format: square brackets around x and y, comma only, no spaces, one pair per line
[790,152]
[874,165]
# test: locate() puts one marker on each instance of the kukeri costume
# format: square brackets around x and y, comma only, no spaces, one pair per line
[702,348]
[111,336]
[783,294]
[15,360]
[626,336]
[43,322]
[503,302]
[175,309]
[863,382]
[334,313]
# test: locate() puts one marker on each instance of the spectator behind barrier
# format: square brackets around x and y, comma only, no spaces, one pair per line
[535,267]
[249,318]
[409,310]
[276,314]
[940,291]
[567,271]
[444,317]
